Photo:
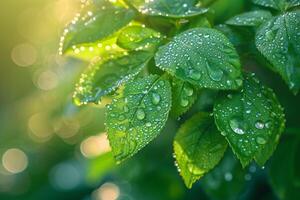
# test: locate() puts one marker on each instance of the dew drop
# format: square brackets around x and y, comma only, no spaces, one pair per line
[140,114]
[188,91]
[195,75]
[184,102]
[261,140]
[237,126]
[259,124]
[214,74]
[155,98]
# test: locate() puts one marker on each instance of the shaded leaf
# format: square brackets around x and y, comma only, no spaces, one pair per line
[184,96]
[252,121]
[198,147]
[137,115]
[169,8]
[95,23]
[106,75]
[202,56]
[253,18]
[279,41]
[138,38]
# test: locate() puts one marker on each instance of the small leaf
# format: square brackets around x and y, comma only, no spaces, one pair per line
[184,96]
[105,76]
[202,56]
[252,121]
[279,41]
[95,23]
[138,38]
[278,4]
[253,18]
[137,115]
[169,8]
[198,147]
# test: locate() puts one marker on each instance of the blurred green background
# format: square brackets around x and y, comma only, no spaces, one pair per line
[50,149]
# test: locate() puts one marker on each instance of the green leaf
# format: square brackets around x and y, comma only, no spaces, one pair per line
[137,115]
[252,121]
[102,48]
[198,147]
[139,38]
[95,23]
[278,4]
[202,56]
[106,75]
[184,96]
[169,8]
[279,41]
[253,18]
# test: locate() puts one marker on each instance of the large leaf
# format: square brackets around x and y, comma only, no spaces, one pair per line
[107,75]
[139,38]
[278,4]
[184,96]
[279,41]
[137,115]
[253,18]
[202,56]
[198,147]
[169,8]
[95,22]
[252,121]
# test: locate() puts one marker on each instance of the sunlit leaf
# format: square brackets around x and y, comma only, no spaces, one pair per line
[198,147]
[137,115]
[252,121]
[184,96]
[279,41]
[253,18]
[169,8]
[105,76]
[95,23]
[202,56]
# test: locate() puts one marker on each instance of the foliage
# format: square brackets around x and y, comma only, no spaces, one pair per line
[159,56]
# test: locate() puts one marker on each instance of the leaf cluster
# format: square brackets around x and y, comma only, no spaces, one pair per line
[154,58]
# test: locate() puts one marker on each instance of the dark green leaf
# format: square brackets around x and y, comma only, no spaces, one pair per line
[184,96]
[137,115]
[253,18]
[169,8]
[202,56]
[138,38]
[252,121]
[198,147]
[105,76]
[279,41]
[278,4]
[96,23]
